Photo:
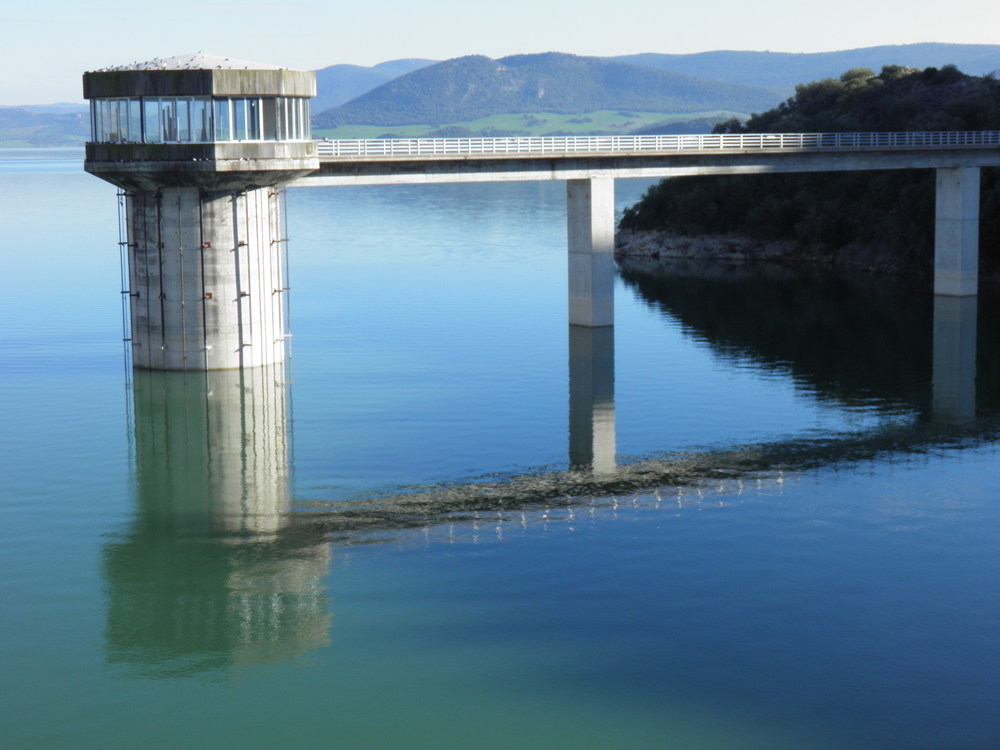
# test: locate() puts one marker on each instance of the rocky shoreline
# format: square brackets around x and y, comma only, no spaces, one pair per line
[656,245]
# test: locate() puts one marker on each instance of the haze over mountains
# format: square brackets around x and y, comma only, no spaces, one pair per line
[650,92]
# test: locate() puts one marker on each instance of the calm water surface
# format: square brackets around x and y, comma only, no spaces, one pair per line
[763,515]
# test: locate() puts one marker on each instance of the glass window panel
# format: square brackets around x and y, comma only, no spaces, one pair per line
[151,121]
[223,120]
[183,121]
[117,124]
[102,121]
[306,107]
[269,114]
[239,119]
[100,132]
[168,119]
[109,121]
[293,119]
[200,121]
[134,121]
[123,120]
[253,119]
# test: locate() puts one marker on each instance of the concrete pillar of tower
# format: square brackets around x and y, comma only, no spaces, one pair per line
[206,278]
[591,238]
[956,232]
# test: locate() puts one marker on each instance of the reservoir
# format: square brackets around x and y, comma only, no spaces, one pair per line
[784,536]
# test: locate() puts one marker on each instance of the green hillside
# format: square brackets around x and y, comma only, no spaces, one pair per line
[845,216]
[469,88]
[608,122]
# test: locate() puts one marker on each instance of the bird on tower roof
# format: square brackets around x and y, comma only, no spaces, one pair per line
[198,61]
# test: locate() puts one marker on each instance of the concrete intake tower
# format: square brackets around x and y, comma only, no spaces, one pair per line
[200,146]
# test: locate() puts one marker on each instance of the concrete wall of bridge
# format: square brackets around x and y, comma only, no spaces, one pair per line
[530,167]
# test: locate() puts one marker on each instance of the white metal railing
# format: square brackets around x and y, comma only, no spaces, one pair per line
[409,147]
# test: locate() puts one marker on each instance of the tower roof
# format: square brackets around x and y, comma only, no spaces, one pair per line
[197,61]
[198,75]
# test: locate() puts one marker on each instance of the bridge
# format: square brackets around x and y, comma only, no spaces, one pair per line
[590,164]
[198,143]
[379,161]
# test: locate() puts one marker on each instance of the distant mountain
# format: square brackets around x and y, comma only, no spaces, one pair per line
[422,91]
[467,88]
[34,126]
[783,70]
[341,83]
[59,108]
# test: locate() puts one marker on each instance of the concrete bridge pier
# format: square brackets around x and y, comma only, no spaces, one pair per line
[592,398]
[953,399]
[956,232]
[590,218]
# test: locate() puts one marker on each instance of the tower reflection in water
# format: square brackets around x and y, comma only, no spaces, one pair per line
[210,573]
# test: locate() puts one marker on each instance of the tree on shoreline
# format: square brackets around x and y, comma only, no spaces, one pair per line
[893,210]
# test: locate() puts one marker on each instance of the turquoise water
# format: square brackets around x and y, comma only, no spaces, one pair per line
[796,547]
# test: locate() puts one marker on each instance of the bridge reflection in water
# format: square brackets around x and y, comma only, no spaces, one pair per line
[220,568]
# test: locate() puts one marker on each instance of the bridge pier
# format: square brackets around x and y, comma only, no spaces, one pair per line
[590,219]
[956,232]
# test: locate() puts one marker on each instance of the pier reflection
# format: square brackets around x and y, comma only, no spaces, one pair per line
[954,396]
[592,398]
[208,574]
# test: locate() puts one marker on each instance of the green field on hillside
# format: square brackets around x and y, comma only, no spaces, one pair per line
[530,124]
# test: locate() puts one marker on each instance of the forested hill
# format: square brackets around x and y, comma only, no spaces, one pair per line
[846,217]
[782,70]
[341,83]
[467,88]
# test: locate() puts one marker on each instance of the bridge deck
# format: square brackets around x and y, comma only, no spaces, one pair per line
[644,144]
[423,160]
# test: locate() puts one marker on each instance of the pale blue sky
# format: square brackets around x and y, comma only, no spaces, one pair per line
[49,43]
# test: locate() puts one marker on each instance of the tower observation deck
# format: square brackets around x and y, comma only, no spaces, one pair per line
[199,145]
